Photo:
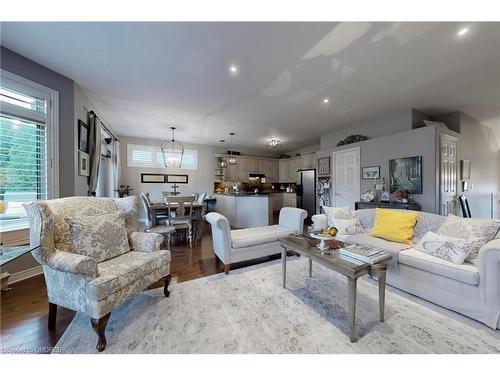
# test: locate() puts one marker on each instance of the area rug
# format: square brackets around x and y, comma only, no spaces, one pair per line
[248,311]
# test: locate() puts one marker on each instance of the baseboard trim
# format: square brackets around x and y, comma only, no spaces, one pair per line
[26,274]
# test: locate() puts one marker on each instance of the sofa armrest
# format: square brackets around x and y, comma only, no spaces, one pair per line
[145,242]
[221,236]
[489,270]
[72,263]
[293,218]
[319,221]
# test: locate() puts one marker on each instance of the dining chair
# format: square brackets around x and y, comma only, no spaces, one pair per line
[164,229]
[464,205]
[180,214]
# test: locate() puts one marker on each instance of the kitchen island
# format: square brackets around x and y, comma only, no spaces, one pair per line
[245,210]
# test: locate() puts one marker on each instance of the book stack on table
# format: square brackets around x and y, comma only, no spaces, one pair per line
[366,254]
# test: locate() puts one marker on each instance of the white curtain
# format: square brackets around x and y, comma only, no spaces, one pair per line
[95,152]
[116,167]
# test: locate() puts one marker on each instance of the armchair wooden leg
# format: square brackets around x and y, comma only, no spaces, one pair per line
[168,278]
[226,269]
[52,316]
[99,326]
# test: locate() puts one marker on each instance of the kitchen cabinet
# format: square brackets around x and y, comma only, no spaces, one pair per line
[232,173]
[289,200]
[308,161]
[243,169]
[282,165]
[246,165]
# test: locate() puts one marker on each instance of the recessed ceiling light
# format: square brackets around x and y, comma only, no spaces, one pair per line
[326,100]
[234,69]
[463,31]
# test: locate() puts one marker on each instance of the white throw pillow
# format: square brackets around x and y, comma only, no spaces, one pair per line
[101,236]
[348,226]
[483,230]
[448,248]
[337,213]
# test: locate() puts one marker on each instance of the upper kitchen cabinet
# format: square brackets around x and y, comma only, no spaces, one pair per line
[288,167]
[244,168]
[308,161]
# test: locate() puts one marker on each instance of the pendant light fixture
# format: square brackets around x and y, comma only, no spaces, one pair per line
[172,152]
[231,160]
[223,162]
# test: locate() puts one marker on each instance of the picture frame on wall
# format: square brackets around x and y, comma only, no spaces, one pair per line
[151,178]
[406,174]
[83,136]
[370,173]
[177,178]
[83,164]
[324,166]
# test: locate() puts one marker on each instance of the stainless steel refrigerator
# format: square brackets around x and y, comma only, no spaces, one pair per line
[306,190]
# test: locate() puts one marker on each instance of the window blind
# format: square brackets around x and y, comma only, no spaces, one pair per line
[23,155]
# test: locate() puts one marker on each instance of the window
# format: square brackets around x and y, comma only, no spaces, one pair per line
[151,157]
[28,128]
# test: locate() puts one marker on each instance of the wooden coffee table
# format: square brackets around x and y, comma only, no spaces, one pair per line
[342,264]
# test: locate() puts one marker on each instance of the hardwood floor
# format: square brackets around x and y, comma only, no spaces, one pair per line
[25,309]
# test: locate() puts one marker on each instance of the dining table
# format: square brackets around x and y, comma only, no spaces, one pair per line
[160,207]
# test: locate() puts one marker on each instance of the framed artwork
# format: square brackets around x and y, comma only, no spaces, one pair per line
[406,174]
[176,178]
[83,136]
[83,164]
[151,178]
[370,173]
[324,165]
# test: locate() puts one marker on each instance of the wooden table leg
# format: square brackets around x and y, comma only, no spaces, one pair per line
[283,264]
[381,271]
[310,268]
[352,308]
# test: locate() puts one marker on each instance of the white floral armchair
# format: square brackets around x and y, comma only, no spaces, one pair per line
[81,283]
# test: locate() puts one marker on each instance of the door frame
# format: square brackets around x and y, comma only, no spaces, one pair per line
[334,186]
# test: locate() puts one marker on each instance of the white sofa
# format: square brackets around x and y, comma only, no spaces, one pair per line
[470,289]
[237,245]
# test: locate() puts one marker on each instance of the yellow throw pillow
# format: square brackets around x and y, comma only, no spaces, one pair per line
[394,225]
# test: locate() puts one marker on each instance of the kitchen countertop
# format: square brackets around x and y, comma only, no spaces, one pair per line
[263,195]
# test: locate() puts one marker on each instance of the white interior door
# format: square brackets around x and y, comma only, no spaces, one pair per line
[346,178]
[448,175]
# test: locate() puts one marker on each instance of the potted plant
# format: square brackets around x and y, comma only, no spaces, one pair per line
[403,196]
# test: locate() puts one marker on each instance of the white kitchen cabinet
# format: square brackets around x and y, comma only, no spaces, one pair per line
[282,173]
[289,200]
[232,173]
[243,169]
[308,161]
[253,166]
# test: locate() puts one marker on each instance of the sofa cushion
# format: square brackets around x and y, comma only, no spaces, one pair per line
[394,225]
[364,239]
[465,272]
[333,213]
[259,235]
[348,226]
[448,248]
[62,208]
[483,229]
[101,236]
[118,272]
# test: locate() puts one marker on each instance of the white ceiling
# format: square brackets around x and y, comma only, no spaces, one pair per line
[149,76]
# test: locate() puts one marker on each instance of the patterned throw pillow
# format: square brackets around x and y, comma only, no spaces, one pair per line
[337,213]
[99,236]
[483,230]
[448,248]
[348,226]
